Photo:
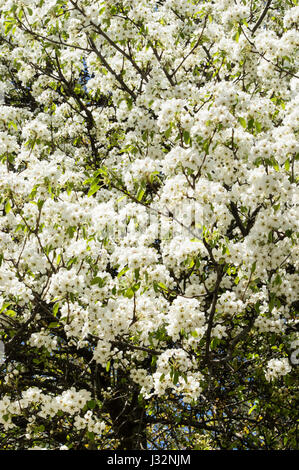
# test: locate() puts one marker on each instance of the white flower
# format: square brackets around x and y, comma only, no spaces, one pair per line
[277,368]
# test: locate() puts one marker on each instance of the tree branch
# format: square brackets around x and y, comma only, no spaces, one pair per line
[105,63]
[261,18]
[213,311]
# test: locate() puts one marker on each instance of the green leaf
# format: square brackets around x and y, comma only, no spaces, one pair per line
[154,361]
[129,103]
[236,36]
[214,343]
[131,290]
[206,146]
[10,313]
[93,190]
[55,308]
[129,293]
[144,136]
[90,435]
[98,281]
[168,132]
[184,377]
[242,121]
[271,303]
[258,126]
[140,194]
[71,262]
[123,271]
[7,206]
[186,136]
[91,404]
[4,306]
[137,273]
[252,408]
[160,284]
[250,124]
[8,26]
[40,204]
[176,376]
[13,124]
[276,207]
[253,267]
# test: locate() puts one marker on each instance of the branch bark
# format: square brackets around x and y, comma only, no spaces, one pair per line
[109,68]
[261,18]
[212,312]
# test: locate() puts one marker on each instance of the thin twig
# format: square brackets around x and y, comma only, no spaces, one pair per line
[261,18]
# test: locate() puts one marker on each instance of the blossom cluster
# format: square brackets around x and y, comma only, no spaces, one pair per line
[148,197]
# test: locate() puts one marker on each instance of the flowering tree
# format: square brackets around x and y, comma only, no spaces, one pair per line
[148,230]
